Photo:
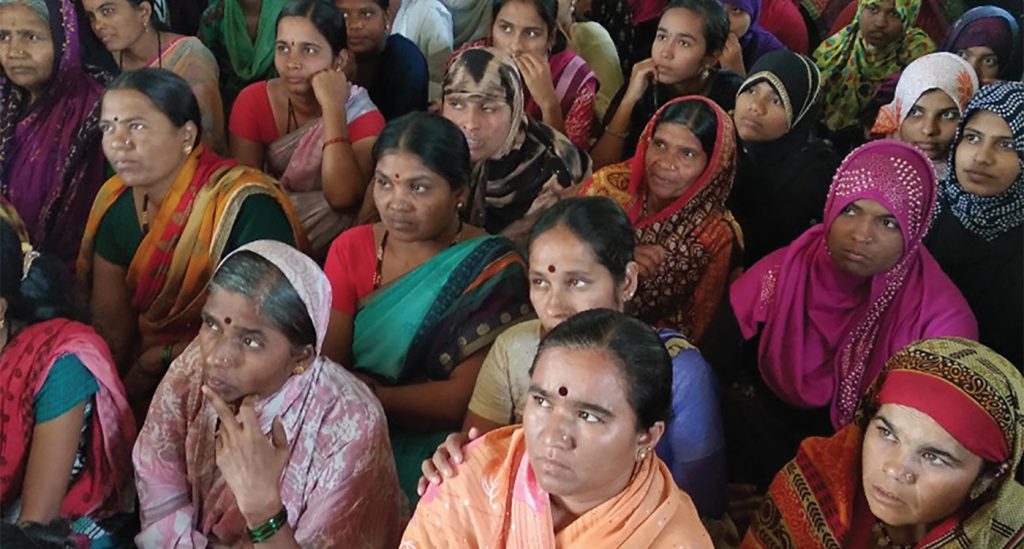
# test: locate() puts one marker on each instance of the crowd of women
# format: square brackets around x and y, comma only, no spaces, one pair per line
[512,273]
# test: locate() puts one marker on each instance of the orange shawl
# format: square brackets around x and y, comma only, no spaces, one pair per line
[495,501]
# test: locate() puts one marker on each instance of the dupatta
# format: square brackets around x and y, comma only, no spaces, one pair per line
[187,57]
[223,24]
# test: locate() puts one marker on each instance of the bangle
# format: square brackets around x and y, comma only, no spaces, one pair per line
[165,355]
[334,140]
[613,133]
[267,530]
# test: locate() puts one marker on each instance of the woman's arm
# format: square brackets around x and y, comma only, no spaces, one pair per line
[246,151]
[609,148]
[345,168]
[338,343]
[434,405]
[48,472]
[580,118]
[112,314]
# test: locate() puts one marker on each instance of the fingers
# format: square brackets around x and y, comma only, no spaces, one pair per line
[247,412]
[473,433]
[277,435]
[421,486]
[453,444]
[227,417]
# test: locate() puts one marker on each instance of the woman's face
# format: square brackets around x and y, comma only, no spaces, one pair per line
[300,52]
[739,20]
[931,124]
[987,162]
[914,472]
[518,28]
[675,159]
[243,352]
[117,23]
[26,48]
[759,114]
[679,51]
[366,24]
[865,239]
[485,121]
[566,278]
[581,432]
[985,63]
[140,142]
[415,203]
[880,23]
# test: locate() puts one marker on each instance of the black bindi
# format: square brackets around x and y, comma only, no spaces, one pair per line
[227,320]
[562,391]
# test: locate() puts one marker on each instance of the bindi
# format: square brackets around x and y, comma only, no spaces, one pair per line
[551,269]
[227,320]
[562,391]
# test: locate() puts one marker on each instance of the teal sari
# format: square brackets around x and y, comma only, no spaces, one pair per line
[421,326]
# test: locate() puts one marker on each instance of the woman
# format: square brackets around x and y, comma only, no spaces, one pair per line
[987,37]
[310,127]
[67,428]
[930,97]
[130,33]
[580,471]
[595,46]
[520,166]
[978,233]
[928,462]
[254,435]
[163,222]
[684,60]
[821,316]
[437,291]
[753,40]
[879,42]
[560,85]
[783,169]
[581,258]
[240,35]
[674,191]
[50,163]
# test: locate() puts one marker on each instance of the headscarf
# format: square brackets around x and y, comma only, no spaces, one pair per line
[797,81]
[852,69]
[989,217]
[757,41]
[51,163]
[936,71]
[989,26]
[825,334]
[224,30]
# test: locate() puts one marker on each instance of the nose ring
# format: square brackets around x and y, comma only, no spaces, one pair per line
[565,438]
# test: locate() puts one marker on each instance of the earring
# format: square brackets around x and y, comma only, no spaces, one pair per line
[3,322]
[299,370]
[641,454]
[188,150]
[705,73]
[460,205]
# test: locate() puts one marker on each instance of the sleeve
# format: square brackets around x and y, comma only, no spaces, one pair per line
[413,79]
[438,48]
[341,269]
[117,239]
[579,119]
[260,218]
[68,383]
[492,395]
[250,113]
[366,125]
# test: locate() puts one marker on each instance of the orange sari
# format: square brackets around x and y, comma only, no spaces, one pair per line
[495,501]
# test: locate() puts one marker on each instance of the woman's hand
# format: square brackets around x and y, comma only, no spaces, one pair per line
[537,76]
[331,89]
[439,466]
[644,73]
[252,463]
[649,258]
[732,55]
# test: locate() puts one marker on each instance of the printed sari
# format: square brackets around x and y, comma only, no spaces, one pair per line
[496,501]
[187,57]
[242,61]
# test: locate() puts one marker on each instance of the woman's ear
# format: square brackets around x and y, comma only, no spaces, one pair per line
[986,480]
[188,132]
[648,438]
[145,11]
[632,278]
[342,60]
[303,355]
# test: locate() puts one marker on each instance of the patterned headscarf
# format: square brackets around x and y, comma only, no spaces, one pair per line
[797,82]
[851,69]
[936,71]
[990,216]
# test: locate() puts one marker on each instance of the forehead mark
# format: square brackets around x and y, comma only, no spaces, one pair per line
[551,269]
[563,391]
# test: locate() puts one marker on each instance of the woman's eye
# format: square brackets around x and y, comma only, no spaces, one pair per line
[418,188]
[687,153]
[107,11]
[951,115]
[576,283]
[504,28]
[309,51]
[933,458]
[890,224]
[210,324]
[455,104]
[538,282]
[885,432]
[541,401]
[971,138]
[990,61]
[532,34]
[251,343]
[136,126]
[1007,144]
[848,210]
[776,100]
[589,418]
[916,111]
[659,37]
[383,182]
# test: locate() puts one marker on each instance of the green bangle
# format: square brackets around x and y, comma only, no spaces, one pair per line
[165,355]
[267,530]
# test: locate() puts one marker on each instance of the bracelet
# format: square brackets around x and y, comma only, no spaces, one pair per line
[334,140]
[613,133]
[267,530]
[165,355]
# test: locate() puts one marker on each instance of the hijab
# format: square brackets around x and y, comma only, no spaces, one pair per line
[797,82]
[757,41]
[989,26]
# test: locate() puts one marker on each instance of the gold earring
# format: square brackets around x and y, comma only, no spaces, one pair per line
[299,370]
[641,454]
[188,150]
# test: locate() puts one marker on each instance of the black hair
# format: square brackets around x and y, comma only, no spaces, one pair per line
[697,116]
[437,141]
[548,11]
[170,93]
[41,294]
[250,274]
[637,350]
[716,21]
[598,222]
[382,3]
[324,15]
[153,19]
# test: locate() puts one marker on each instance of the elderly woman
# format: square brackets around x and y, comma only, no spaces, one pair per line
[255,436]
[581,470]
[928,462]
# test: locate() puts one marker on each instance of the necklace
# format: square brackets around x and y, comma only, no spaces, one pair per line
[291,118]
[384,242]
[885,541]
[145,214]
[159,59]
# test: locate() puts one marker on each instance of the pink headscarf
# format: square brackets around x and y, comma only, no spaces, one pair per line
[825,333]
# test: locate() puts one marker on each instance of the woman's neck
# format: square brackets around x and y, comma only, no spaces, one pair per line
[145,48]
[907,535]
[692,86]
[429,248]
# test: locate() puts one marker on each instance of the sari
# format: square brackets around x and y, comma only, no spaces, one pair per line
[757,41]
[51,162]
[187,57]
[242,61]
[696,230]
[825,333]
[973,393]
[496,501]
[97,490]
[339,486]
[851,69]
[992,27]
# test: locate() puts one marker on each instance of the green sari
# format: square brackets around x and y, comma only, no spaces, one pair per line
[222,28]
[421,326]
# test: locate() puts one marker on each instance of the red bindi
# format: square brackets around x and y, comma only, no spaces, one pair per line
[227,320]
[551,268]
[563,391]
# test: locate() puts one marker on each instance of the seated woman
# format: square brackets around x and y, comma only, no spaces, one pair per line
[428,24]
[783,169]
[930,97]
[821,316]
[560,85]
[310,127]
[581,257]
[163,222]
[581,470]
[133,36]
[254,435]
[520,166]
[928,462]
[748,40]
[240,35]
[51,164]
[420,296]
[674,191]
[978,233]
[67,428]
[879,42]
[684,60]
[987,36]
[595,45]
